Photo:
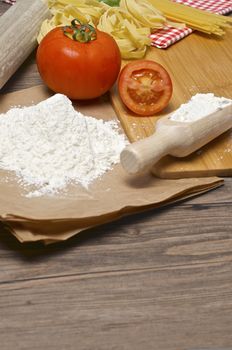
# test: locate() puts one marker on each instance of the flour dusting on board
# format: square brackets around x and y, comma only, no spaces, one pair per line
[199,106]
[51,144]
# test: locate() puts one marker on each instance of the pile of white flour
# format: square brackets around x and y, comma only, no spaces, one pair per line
[199,106]
[50,145]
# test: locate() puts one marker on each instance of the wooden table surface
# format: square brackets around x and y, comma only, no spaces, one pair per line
[157,280]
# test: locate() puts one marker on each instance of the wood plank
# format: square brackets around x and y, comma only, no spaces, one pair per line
[160,280]
[196,64]
[180,307]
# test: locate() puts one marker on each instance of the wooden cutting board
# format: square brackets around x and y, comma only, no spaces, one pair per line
[197,64]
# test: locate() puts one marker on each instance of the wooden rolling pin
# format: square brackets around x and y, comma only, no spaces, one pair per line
[174,138]
[19,27]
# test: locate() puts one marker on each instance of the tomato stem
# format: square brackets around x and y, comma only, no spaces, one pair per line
[80,32]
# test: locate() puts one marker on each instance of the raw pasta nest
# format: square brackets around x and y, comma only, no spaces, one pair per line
[130,24]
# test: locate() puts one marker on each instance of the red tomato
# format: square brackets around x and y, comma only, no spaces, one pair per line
[80,70]
[145,87]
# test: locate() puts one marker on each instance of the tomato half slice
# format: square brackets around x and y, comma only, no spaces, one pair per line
[145,87]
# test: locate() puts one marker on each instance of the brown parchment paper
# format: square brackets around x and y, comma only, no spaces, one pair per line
[56,231]
[56,218]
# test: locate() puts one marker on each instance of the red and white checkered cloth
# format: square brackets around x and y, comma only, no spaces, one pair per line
[169,35]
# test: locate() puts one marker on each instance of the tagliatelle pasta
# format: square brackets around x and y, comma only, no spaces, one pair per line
[131,37]
[90,9]
[63,11]
[144,12]
[130,24]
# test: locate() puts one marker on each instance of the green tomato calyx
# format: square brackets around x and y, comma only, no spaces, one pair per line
[80,32]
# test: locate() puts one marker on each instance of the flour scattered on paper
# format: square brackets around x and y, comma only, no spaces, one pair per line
[199,106]
[50,145]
